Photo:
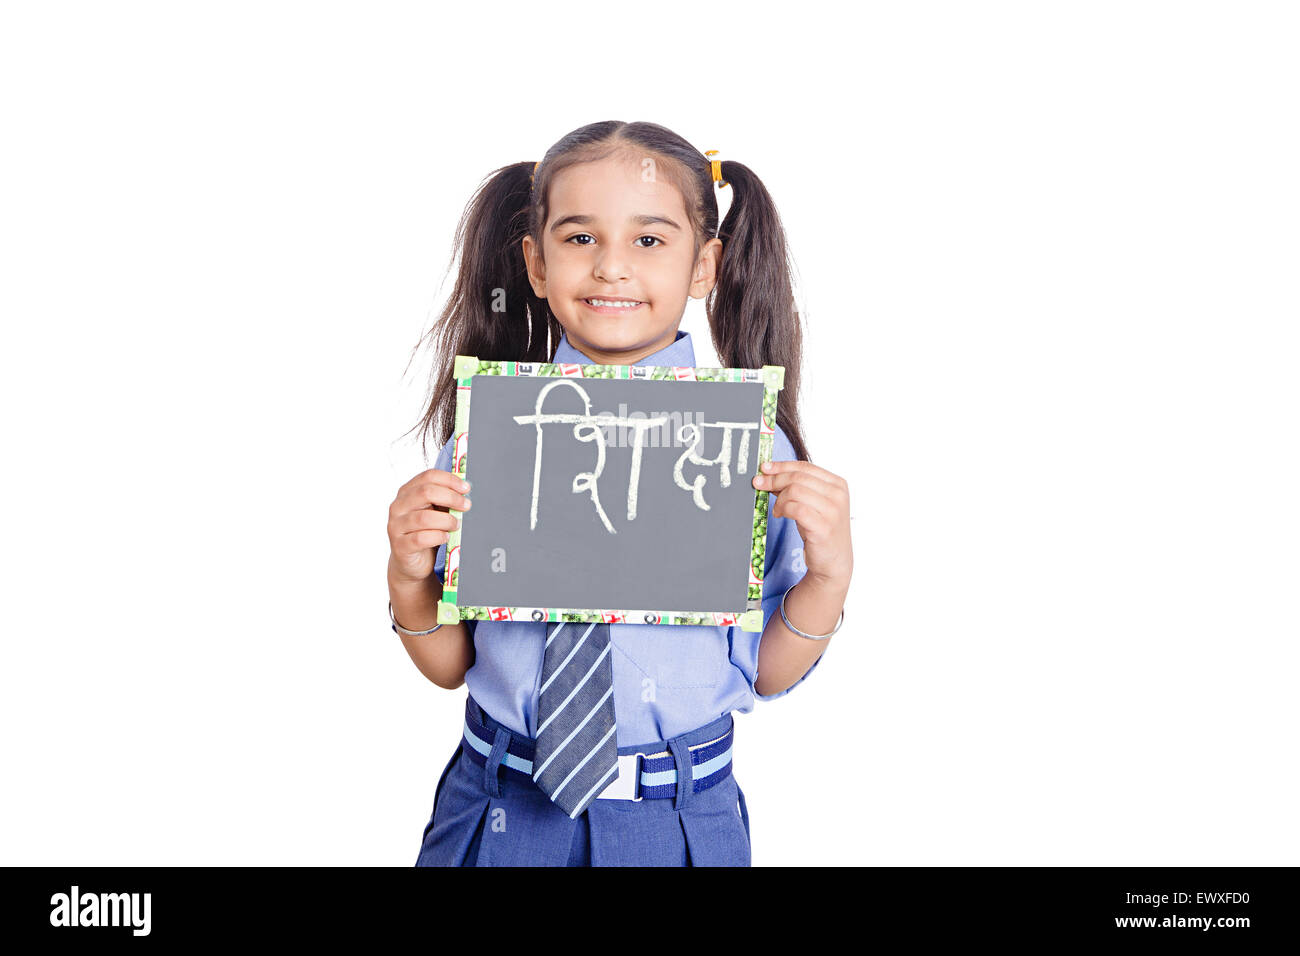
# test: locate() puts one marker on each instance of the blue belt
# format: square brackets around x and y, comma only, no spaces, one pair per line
[641,776]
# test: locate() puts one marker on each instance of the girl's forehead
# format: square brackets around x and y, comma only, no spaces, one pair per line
[615,188]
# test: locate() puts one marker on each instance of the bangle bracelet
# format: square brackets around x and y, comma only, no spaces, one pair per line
[811,637]
[397,627]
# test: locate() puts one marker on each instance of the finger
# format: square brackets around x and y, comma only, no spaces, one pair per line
[425,519]
[430,473]
[405,532]
[804,467]
[434,488]
[807,498]
[783,480]
[417,541]
[423,529]
[813,525]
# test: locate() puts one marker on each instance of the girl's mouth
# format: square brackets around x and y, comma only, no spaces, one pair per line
[612,306]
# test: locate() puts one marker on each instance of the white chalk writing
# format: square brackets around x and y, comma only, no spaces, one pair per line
[589,428]
[694,434]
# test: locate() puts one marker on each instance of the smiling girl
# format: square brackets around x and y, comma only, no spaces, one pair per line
[589,256]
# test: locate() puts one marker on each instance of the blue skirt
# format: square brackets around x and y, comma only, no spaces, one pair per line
[495,816]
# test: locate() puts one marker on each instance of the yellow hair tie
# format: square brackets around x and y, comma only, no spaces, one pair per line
[534,172]
[717,168]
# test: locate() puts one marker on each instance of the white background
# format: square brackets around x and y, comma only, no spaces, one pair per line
[1048,259]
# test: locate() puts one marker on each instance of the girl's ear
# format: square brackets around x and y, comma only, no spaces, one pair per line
[536,267]
[706,269]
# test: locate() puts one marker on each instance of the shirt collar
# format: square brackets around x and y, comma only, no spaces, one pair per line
[679,353]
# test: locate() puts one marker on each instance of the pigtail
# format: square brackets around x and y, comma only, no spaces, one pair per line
[752,308]
[492,312]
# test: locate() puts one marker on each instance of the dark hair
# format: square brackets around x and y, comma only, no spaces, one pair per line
[493,313]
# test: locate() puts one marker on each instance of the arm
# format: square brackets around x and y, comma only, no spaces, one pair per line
[817,502]
[813,605]
[443,656]
[419,526]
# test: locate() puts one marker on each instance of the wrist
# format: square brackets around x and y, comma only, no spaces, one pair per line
[827,589]
[819,603]
[400,586]
[413,605]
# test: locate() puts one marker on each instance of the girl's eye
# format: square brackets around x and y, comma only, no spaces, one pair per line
[655,240]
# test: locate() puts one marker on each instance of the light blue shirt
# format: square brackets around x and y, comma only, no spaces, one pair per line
[668,678]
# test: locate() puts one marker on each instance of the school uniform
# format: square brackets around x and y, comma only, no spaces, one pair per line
[675,689]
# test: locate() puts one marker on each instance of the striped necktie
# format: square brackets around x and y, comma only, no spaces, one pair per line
[575,755]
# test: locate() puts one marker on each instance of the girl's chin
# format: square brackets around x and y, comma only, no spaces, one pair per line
[618,329]
[612,337]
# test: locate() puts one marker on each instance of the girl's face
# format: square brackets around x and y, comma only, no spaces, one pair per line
[612,237]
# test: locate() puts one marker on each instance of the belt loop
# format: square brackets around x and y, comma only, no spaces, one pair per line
[685,776]
[491,779]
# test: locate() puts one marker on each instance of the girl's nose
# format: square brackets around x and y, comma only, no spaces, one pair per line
[612,267]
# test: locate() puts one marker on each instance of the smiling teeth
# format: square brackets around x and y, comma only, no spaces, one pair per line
[616,305]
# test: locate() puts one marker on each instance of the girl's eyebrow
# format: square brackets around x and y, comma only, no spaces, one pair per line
[641,220]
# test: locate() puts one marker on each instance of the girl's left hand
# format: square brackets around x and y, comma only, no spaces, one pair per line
[818,501]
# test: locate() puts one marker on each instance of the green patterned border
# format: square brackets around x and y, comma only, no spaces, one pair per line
[468,366]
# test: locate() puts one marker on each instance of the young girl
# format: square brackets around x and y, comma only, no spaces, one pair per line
[588,257]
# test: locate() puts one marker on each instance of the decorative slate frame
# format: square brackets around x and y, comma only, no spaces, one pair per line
[468,366]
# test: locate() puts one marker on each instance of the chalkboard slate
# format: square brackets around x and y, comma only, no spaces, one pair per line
[603,492]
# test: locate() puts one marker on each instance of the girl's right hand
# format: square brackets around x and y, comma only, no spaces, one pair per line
[419,522]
